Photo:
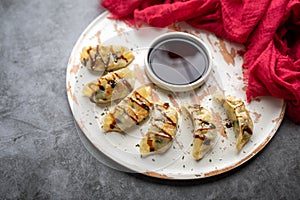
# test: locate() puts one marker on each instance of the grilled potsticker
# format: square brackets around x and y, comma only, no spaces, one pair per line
[162,130]
[205,131]
[132,110]
[106,58]
[112,86]
[240,119]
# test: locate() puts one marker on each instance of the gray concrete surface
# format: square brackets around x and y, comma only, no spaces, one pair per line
[41,153]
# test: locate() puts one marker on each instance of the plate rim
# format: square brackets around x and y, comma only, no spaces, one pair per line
[192,176]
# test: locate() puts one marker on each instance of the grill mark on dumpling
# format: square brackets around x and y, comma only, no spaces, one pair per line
[165,122]
[161,128]
[204,125]
[134,118]
[157,136]
[243,126]
[201,137]
[97,54]
[166,105]
[112,81]
[141,101]
[163,135]
[116,57]
[114,122]
[150,144]
[94,54]
[123,58]
[124,81]
[92,61]
[139,96]
[85,61]
[238,105]
[164,114]
[247,129]
[163,131]
[165,119]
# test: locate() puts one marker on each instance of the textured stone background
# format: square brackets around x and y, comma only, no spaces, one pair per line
[41,153]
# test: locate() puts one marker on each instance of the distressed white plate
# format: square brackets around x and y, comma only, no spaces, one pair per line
[177,162]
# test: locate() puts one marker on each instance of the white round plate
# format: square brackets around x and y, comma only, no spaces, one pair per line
[177,162]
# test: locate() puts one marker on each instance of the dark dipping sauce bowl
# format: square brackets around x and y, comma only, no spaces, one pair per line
[178,61]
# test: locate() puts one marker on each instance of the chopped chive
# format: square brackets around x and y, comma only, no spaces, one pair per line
[137,145]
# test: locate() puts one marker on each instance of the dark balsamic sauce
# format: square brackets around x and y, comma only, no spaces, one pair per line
[178,61]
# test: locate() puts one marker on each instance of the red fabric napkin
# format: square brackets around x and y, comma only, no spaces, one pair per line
[269,29]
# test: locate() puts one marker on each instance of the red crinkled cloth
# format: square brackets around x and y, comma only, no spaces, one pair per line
[269,29]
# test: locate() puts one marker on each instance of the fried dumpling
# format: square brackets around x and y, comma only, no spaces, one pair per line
[132,110]
[240,119]
[112,86]
[205,131]
[163,127]
[106,58]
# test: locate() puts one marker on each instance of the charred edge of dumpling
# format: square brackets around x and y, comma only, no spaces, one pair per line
[157,140]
